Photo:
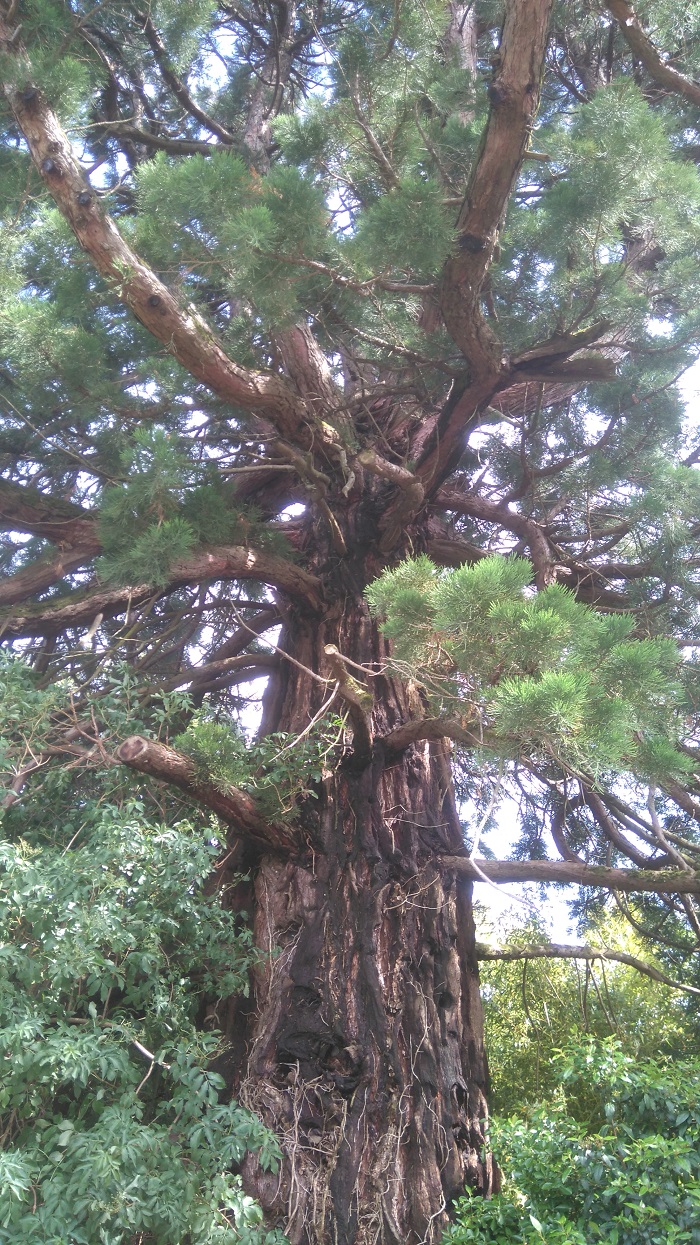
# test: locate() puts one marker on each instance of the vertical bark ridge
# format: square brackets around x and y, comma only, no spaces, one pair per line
[367,1054]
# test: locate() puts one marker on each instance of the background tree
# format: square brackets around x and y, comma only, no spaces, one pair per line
[537,1003]
[594,1068]
[291,292]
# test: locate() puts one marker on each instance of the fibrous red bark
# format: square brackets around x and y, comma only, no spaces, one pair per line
[366,1052]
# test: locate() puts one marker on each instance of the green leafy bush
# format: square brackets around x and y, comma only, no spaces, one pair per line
[111,1120]
[626,1174]
[276,770]
[114,1128]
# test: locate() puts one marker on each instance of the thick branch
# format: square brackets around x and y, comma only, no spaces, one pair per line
[611,832]
[588,582]
[493,512]
[657,881]
[247,666]
[41,575]
[358,700]
[556,830]
[77,610]
[238,562]
[542,360]
[183,332]
[581,371]
[446,550]
[559,951]
[683,799]
[398,740]
[127,132]
[240,639]
[644,50]
[409,502]
[514,96]
[233,806]
[26,509]
[307,366]
[235,562]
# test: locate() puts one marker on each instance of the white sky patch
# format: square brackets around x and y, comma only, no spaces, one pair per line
[292,512]
[610,254]
[659,328]
[506,907]
[214,64]
[147,390]
[251,694]
[500,911]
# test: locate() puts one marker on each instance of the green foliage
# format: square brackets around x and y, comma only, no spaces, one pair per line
[217,210]
[542,672]
[410,222]
[185,202]
[595,1089]
[38,338]
[161,513]
[276,770]
[65,80]
[109,944]
[578,227]
[304,136]
[151,555]
[533,1008]
[627,1175]
[114,1125]
[183,22]
[617,127]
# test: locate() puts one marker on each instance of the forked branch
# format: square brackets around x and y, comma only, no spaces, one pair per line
[642,47]
[514,96]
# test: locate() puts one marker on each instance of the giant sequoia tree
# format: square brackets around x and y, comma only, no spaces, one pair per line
[302,298]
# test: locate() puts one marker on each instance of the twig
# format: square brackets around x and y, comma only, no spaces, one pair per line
[300,666]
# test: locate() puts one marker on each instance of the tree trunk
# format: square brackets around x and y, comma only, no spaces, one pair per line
[366,1056]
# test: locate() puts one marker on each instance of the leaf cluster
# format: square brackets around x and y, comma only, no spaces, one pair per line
[544,673]
[277,769]
[165,508]
[113,1123]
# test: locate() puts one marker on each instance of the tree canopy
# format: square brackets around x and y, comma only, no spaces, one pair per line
[342,355]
